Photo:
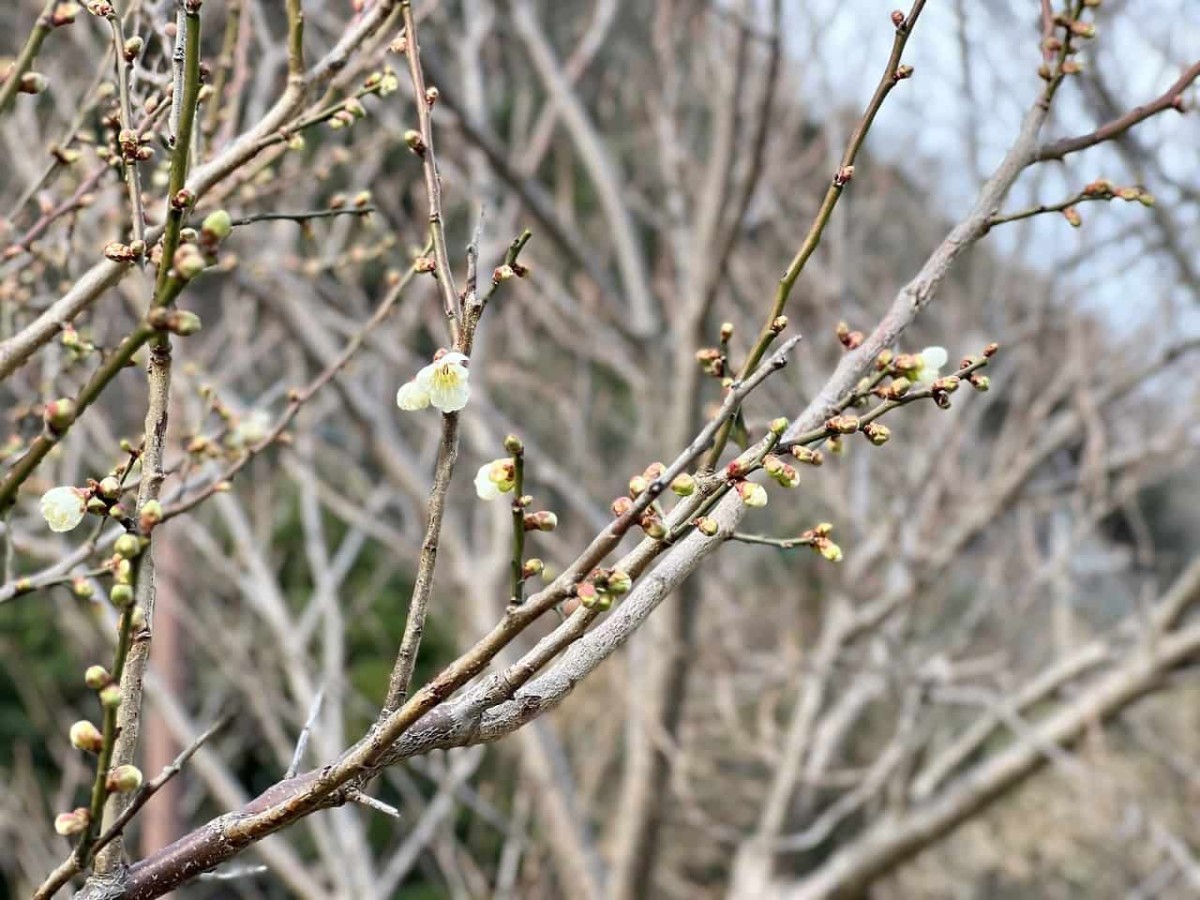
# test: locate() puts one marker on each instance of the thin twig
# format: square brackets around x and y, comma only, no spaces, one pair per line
[302,741]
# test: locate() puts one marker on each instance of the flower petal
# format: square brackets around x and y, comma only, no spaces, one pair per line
[484,486]
[412,396]
[63,507]
[450,398]
[934,357]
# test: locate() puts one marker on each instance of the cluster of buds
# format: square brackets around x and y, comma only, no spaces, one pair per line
[639,484]
[352,110]
[382,83]
[72,341]
[941,390]
[602,587]
[843,424]
[818,538]
[653,525]
[542,520]
[877,434]
[1103,189]
[507,271]
[182,322]
[849,339]
[783,473]
[712,362]
[124,253]
[807,456]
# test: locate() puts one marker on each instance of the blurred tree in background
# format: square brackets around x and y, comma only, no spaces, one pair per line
[957,658]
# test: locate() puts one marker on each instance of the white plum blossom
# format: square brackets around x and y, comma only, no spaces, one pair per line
[251,429]
[494,478]
[442,384]
[932,359]
[63,507]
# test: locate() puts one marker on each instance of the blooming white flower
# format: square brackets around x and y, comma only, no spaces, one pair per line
[442,383]
[494,478]
[63,507]
[251,429]
[932,359]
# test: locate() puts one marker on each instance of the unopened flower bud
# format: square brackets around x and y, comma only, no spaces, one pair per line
[684,485]
[121,595]
[86,736]
[33,83]
[217,225]
[124,779]
[133,48]
[541,521]
[828,549]
[653,526]
[188,262]
[619,582]
[753,494]
[137,618]
[183,198]
[1071,214]
[904,71]
[786,475]
[778,324]
[808,457]
[1082,29]
[415,142]
[620,506]
[110,696]
[59,414]
[502,273]
[947,385]
[843,176]
[431,95]
[877,434]
[654,471]
[842,424]
[587,594]
[637,485]
[532,567]
[82,588]
[64,14]
[96,677]
[70,824]
[128,546]
[706,526]
[981,383]
[149,516]
[183,322]
[897,18]
[513,445]
[726,332]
